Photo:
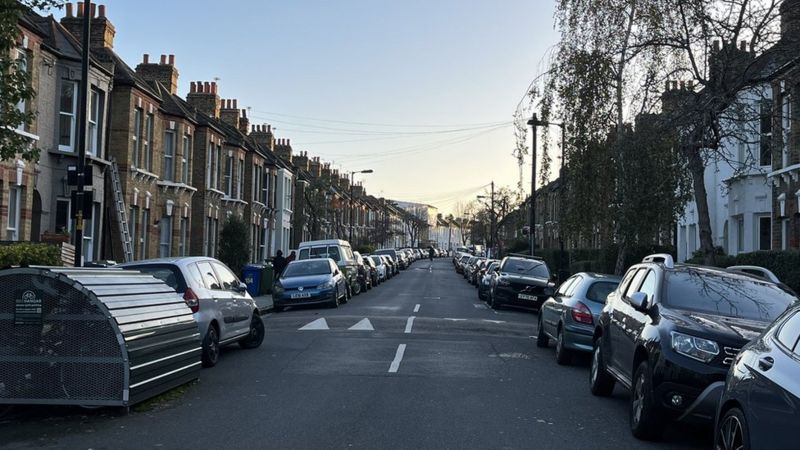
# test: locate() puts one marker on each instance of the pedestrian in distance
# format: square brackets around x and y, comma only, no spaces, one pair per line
[291,257]
[279,263]
[430,253]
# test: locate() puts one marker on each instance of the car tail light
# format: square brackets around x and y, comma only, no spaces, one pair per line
[582,314]
[191,299]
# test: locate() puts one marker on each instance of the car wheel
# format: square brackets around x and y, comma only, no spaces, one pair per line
[644,415]
[210,354]
[334,303]
[602,383]
[563,356]
[732,432]
[348,293]
[495,304]
[256,335]
[542,340]
[356,290]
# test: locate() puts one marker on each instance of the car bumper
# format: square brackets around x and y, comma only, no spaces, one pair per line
[509,296]
[699,386]
[579,338]
[316,298]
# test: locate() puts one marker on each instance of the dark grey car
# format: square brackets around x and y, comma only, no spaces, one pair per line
[569,316]
[760,406]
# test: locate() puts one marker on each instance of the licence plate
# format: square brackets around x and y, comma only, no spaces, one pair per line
[528,297]
[301,295]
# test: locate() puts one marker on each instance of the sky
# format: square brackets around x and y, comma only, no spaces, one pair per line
[421,92]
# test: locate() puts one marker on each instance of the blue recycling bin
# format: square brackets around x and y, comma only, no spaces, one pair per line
[251,274]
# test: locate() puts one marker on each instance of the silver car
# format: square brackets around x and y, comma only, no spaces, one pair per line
[224,311]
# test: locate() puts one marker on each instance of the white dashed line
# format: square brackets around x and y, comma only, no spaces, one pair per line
[416,308]
[454,320]
[409,324]
[397,358]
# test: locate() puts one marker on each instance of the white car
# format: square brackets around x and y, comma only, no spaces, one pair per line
[224,311]
[380,265]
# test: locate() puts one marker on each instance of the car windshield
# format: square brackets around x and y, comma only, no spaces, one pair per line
[599,290]
[306,268]
[725,295]
[526,267]
[377,260]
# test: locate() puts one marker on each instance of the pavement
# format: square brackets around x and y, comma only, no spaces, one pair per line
[416,363]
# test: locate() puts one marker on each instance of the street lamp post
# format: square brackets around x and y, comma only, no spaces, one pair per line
[535,122]
[351,199]
[492,225]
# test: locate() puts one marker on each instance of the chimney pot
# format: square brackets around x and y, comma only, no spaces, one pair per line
[213,87]
[206,87]
[92,9]
[683,85]
[191,86]
[163,59]
[674,85]
[690,85]
[235,106]
[69,9]
[288,142]
[269,128]
[171,60]
[146,59]
[716,45]
[743,46]
[102,11]
[666,85]
[244,113]
[80,9]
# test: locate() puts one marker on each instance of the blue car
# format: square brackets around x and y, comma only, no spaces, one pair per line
[570,315]
[310,282]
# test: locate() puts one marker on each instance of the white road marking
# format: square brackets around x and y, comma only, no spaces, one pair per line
[409,324]
[397,358]
[432,298]
[416,308]
[454,320]
[479,305]
[363,325]
[319,324]
[494,321]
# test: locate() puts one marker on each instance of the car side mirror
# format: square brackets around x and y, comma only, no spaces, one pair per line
[336,272]
[242,288]
[639,301]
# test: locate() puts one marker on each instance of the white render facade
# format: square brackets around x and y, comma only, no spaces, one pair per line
[739,196]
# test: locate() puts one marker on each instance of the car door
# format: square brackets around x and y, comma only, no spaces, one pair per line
[619,322]
[219,300]
[240,304]
[635,320]
[552,310]
[774,397]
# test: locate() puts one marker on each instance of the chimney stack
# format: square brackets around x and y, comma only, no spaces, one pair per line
[790,20]
[244,122]
[164,72]
[262,134]
[229,113]
[102,30]
[204,98]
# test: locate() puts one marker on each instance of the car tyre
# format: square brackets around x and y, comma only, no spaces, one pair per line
[542,340]
[601,382]
[645,423]
[495,304]
[256,335]
[563,356]
[356,290]
[732,432]
[334,303]
[210,352]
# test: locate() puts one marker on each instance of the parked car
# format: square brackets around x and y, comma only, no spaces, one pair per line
[669,333]
[462,262]
[339,251]
[364,273]
[466,272]
[396,256]
[381,268]
[224,311]
[486,280]
[310,282]
[373,270]
[569,316]
[523,281]
[391,266]
[760,405]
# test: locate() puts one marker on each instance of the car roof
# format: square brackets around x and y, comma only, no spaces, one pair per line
[178,260]
[323,242]
[600,276]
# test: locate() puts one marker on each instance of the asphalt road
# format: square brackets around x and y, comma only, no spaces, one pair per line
[418,362]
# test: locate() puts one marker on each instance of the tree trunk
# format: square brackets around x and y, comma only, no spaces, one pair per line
[697,169]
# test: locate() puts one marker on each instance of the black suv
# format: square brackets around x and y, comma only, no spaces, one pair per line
[522,280]
[670,332]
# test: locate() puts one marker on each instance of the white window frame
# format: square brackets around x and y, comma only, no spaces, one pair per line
[72,115]
[228,176]
[183,234]
[22,66]
[787,128]
[165,237]
[240,180]
[88,234]
[740,244]
[145,240]
[14,213]
[187,150]
[147,147]
[785,234]
[210,167]
[133,220]
[758,233]
[94,121]
[138,125]
[169,155]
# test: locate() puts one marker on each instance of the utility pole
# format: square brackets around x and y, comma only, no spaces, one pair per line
[492,228]
[351,200]
[82,123]
[533,122]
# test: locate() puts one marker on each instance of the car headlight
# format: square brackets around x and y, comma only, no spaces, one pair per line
[694,347]
[277,289]
[327,285]
[503,282]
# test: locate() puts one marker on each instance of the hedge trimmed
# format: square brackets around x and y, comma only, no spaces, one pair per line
[29,254]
